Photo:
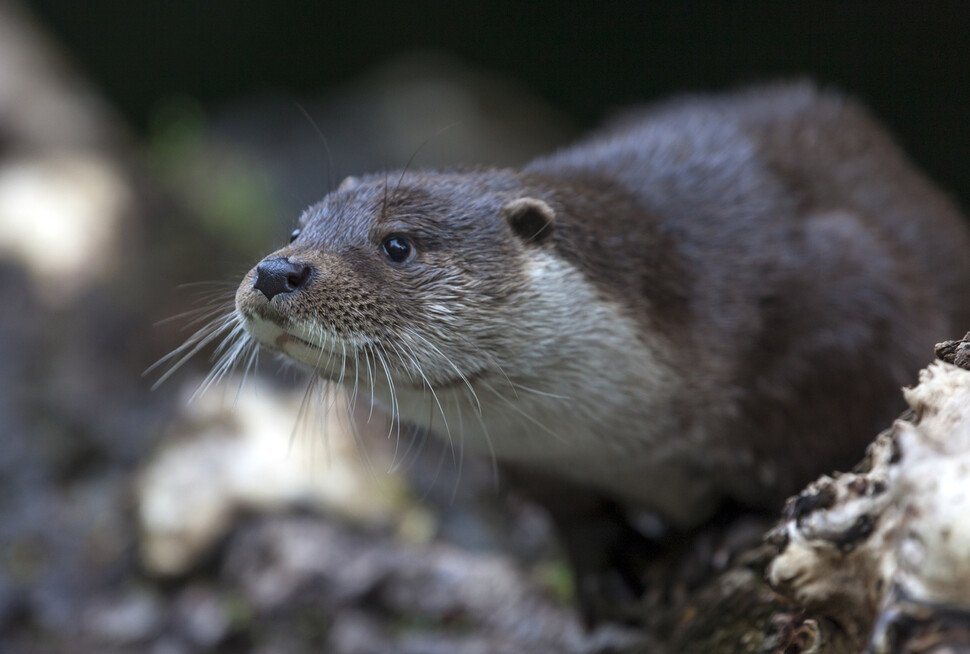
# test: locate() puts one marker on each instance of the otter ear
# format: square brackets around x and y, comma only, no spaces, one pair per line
[530,218]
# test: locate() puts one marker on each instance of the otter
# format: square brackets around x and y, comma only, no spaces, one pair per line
[714,299]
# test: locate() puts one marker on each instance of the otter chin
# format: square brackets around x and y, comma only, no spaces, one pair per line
[712,300]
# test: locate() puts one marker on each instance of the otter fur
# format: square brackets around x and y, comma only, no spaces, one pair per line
[713,299]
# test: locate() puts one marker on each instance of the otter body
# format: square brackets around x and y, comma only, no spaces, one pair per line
[718,298]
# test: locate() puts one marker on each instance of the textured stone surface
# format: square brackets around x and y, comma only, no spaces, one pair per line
[883,552]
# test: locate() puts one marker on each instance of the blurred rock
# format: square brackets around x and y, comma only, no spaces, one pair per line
[431,599]
[128,618]
[61,219]
[227,457]
[202,616]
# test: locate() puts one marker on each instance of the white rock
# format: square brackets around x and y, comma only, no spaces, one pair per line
[226,456]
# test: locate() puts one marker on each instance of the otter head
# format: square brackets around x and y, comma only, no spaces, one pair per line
[416,283]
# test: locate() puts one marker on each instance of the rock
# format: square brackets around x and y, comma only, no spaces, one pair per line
[884,552]
[61,218]
[955,352]
[202,617]
[225,458]
[126,619]
[436,598]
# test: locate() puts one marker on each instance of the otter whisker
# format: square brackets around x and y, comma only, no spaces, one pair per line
[199,314]
[318,420]
[353,396]
[221,297]
[250,364]
[390,383]
[336,406]
[438,402]
[212,329]
[361,447]
[512,405]
[397,446]
[320,338]
[228,359]
[448,361]
[193,344]
[441,457]
[430,388]
[207,314]
[212,282]
[231,339]
[384,201]
[222,291]
[370,374]
[415,366]
[409,362]
[491,448]
[303,409]
[343,364]
[400,363]
[303,412]
[326,146]
[461,451]
[396,464]
[536,391]
[223,363]
[417,150]
[493,363]
[444,419]
[329,347]
[404,364]
[330,390]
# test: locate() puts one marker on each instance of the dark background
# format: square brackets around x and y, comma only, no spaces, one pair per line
[908,61]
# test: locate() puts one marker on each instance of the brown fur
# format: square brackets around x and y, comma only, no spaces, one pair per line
[774,257]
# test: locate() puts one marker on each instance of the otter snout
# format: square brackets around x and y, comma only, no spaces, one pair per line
[278,275]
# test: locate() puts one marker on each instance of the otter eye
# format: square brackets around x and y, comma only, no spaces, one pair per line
[397,248]
[294,234]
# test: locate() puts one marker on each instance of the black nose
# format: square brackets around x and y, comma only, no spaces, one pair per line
[275,276]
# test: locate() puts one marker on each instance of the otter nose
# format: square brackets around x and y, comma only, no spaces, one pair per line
[279,275]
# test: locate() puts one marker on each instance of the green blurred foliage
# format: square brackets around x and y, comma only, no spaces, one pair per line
[228,193]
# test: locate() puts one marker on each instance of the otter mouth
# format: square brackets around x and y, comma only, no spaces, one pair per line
[271,331]
[286,337]
[276,333]
[324,357]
